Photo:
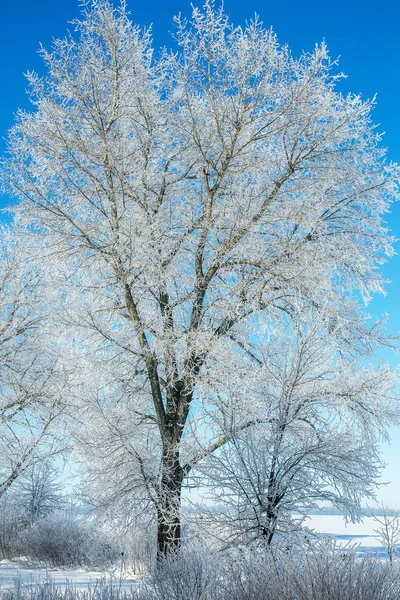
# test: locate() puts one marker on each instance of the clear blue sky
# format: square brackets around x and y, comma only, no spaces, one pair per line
[365,36]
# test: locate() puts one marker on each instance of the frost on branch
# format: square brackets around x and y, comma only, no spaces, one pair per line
[309,435]
[30,377]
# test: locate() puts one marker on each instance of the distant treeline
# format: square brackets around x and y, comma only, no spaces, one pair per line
[323,510]
[332,510]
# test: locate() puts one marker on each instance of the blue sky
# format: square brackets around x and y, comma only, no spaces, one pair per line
[364,36]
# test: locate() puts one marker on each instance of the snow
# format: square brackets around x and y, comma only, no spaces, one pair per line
[12,571]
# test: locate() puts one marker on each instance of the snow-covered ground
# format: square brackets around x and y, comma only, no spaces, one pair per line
[10,572]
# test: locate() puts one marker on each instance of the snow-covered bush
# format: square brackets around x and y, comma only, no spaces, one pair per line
[138,546]
[192,574]
[322,571]
[65,540]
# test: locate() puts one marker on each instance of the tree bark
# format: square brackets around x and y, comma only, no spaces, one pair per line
[169,508]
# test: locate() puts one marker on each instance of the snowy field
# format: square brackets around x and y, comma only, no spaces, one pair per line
[10,572]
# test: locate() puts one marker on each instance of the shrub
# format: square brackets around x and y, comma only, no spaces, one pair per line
[321,572]
[325,571]
[191,574]
[138,543]
[65,540]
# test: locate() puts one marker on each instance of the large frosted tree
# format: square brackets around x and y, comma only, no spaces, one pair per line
[182,207]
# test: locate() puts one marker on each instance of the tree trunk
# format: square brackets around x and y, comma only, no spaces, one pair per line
[268,531]
[169,508]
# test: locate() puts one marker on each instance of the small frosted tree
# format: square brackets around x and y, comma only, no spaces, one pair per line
[182,207]
[38,491]
[304,439]
[388,531]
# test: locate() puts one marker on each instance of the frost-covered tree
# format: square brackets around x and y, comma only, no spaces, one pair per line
[388,531]
[29,369]
[310,434]
[38,491]
[183,206]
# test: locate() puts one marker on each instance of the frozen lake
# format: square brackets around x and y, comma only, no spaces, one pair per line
[362,534]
